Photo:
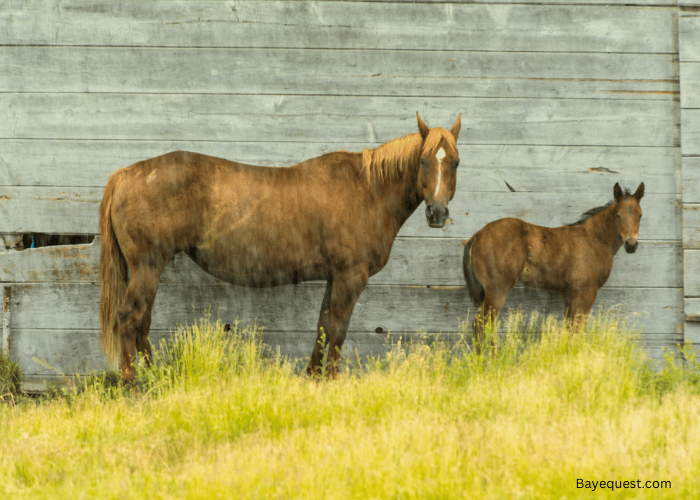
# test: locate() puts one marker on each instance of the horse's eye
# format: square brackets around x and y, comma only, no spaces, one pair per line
[640,216]
[424,162]
[619,216]
[455,163]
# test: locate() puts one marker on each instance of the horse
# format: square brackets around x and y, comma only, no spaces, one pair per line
[331,218]
[575,259]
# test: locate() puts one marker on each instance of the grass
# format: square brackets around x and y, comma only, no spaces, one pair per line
[10,378]
[214,418]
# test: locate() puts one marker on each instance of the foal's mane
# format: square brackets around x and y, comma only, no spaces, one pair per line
[391,159]
[595,211]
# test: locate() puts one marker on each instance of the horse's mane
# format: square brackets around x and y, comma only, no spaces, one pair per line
[392,158]
[595,211]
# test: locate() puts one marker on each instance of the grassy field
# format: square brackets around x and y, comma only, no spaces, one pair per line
[564,416]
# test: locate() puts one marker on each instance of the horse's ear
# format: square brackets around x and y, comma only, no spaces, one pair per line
[424,129]
[640,192]
[617,191]
[457,126]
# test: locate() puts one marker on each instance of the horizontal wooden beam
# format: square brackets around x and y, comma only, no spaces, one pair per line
[296,308]
[486,168]
[413,261]
[564,122]
[463,26]
[56,353]
[335,72]
[75,211]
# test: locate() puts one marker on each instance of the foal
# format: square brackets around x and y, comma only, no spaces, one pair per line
[575,259]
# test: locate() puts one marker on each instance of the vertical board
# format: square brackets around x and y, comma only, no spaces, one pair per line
[689,55]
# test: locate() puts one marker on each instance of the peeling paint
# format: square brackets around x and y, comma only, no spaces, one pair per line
[602,170]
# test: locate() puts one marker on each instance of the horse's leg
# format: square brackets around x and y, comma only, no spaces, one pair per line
[143,343]
[347,287]
[322,331]
[134,316]
[579,304]
[490,309]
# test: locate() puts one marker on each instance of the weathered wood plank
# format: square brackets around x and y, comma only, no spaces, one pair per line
[320,118]
[53,352]
[414,261]
[567,169]
[572,28]
[347,72]
[691,179]
[692,333]
[50,210]
[691,273]
[296,308]
[688,33]
[690,132]
[690,84]
[692,309]
[691,226]
[78,351]
[75,211]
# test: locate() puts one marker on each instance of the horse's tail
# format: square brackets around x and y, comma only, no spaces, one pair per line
[113,278]
[474,286]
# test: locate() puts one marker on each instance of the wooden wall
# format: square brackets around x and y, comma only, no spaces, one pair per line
[559,101]
[689,62]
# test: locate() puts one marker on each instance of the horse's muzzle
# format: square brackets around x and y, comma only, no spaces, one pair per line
[436,215]
[631,247]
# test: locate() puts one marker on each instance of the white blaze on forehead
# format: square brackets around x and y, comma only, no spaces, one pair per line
[439,156]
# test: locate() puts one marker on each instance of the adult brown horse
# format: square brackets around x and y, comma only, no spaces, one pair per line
[575,259]
[330,218]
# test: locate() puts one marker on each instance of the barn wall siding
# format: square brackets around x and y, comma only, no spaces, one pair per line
[689,57]
[558,103]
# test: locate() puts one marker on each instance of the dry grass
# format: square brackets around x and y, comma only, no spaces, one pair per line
[214,419]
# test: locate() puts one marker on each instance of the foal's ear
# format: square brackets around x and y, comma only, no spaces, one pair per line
[640,192]
[617,191]
[424,129]
[456,127]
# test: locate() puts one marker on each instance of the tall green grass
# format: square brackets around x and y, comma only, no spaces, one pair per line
[214,417]
[10,378]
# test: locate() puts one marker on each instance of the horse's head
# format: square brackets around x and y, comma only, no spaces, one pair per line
[437,176]
[627,215]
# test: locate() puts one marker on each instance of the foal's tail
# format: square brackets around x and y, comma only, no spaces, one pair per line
[476,290]
[113,278]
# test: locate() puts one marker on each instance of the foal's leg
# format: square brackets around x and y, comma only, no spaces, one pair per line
[490,309]
[579,304]
[134,316]
[347,287]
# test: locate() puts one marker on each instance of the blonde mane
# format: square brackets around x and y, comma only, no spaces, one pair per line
[392,159]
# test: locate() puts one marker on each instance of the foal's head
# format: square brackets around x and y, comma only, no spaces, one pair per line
[627,215]
[437,176]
